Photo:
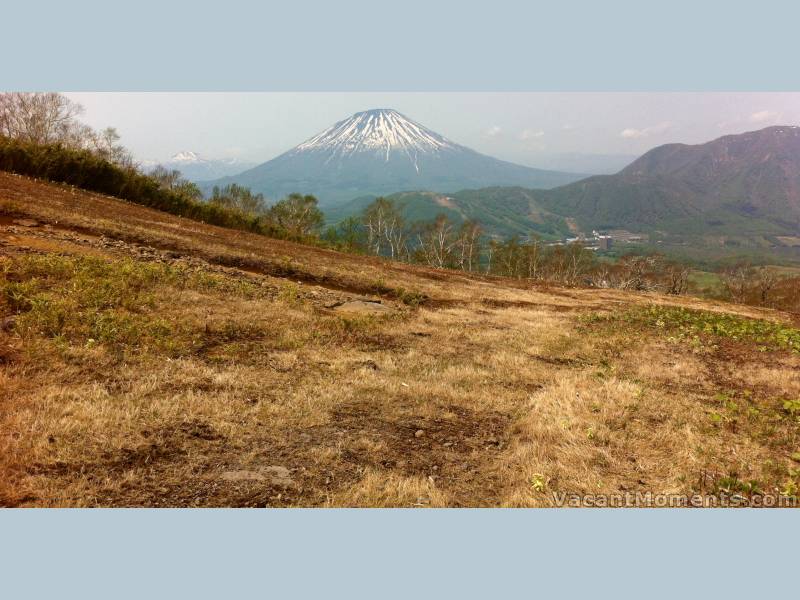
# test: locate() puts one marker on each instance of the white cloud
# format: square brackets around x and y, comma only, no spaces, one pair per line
[764,116]
[632,133]
[529,134]
[494,131]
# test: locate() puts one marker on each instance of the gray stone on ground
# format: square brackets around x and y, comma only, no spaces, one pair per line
[274,475]
[363,307]
[25,222]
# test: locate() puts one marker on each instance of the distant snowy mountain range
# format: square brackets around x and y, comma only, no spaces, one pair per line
[379,152]
[197,168]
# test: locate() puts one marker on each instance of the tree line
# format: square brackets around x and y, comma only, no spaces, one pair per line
[442,243]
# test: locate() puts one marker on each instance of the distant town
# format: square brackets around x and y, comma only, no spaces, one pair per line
[601,241]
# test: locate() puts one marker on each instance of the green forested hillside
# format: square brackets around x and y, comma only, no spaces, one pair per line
[501,211]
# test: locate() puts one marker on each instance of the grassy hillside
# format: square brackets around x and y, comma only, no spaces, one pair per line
[151,360]
[606,202]
[502,211]
[709,237]
[741,185]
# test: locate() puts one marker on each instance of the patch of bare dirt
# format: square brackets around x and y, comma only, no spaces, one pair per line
[452,449]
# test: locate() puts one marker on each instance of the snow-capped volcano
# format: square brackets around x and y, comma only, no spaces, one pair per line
[382,131]
[381,151]
[187,156]
[195,167]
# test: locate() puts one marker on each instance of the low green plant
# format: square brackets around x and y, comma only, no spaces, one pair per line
[379,287]
[539,482]
[87,301]
[692,326]
[290,293]
[410,297]
[792,407]
[733,485]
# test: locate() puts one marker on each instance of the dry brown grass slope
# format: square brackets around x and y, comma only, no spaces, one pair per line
[147,360]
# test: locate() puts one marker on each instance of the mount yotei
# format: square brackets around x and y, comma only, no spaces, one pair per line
[380,152]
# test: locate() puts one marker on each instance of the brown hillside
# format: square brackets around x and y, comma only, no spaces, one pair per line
[148,360]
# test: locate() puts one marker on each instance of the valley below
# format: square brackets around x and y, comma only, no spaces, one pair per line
[151,360]
[732,198]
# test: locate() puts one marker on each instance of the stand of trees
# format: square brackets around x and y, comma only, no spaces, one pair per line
[744,283]
[52,118]
[41,136]
[652,272]
[381,230]
[444,244]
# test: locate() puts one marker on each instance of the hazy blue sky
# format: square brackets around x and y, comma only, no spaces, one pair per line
[536,129]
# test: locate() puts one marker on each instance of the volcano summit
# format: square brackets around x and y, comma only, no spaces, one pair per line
[379,152]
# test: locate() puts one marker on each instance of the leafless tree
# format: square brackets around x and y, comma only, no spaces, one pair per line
[508,259]
[437,242]
[736,280]
[566,264]
[676,278]
[765,280]
[468,245]
[50,117]
[168,179]
[533,257]
[635,273]
[106,144]
[385,227]
[491,251]
[41,118]
[603,276]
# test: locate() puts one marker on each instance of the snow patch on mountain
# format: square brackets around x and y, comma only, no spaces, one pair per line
[187,156]
[195,167]
[379,131]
